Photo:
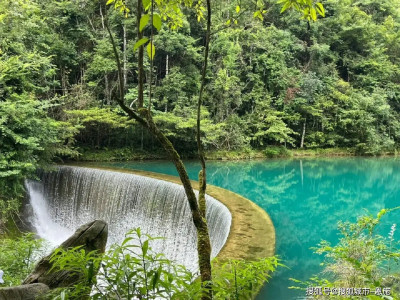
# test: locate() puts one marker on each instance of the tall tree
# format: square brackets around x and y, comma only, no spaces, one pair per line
[144,117]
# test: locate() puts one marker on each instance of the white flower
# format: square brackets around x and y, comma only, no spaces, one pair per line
[1,276]
[392,230]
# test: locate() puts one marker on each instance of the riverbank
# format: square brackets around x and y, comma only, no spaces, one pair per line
[127,154]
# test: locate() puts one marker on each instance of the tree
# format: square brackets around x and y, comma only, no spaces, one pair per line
[144,116]
[29,137]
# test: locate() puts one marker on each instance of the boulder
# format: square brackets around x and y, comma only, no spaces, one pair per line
[23,292]
[92,236]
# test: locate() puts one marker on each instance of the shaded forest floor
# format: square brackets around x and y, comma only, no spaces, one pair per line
[127,154]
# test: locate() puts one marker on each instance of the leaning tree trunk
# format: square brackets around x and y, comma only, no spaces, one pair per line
[143,117]
[203,242]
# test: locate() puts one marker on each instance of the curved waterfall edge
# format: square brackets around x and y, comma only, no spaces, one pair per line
[252,232]
[69,196]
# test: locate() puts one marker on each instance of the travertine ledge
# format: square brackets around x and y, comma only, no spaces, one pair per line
[252,233]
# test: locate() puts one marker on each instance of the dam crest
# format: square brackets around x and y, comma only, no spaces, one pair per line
[70,196]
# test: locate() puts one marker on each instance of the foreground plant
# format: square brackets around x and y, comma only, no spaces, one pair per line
[133,270]
[361,259]
[18,257]
[240,279]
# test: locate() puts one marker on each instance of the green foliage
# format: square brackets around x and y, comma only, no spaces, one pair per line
[272,152]
[307,7]
[268,77]
[132,270]
[18,257]
[362,257]
[239,279]
[29,139]
[119,154]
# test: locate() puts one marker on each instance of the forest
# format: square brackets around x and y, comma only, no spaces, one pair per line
[273,80]
[278,80]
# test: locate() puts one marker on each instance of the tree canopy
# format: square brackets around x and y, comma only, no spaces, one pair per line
[273,79]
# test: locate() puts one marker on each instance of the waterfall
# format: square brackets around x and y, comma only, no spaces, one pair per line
[68,197]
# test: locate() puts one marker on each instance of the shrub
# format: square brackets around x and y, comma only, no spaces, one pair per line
[18,257]
[133,271]
[274,151]
[361,259]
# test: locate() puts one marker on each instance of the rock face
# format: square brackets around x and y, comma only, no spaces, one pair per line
[92,236]
[23,292]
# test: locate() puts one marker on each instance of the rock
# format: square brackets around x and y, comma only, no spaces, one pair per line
[23,292]
[92,236]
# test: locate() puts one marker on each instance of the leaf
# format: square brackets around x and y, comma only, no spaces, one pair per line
[382,213]
[140,43]
[145,247]
[320,9]
[237,9]
[109,2]
[259,15]
[157,21]
[126,241]
[306,13]
[144,20]
[313,14]
[156,277]
[146,4]
[151,50]
[287,5]
[228,22]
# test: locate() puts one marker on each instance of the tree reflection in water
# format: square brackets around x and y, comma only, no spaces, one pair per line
[305,199]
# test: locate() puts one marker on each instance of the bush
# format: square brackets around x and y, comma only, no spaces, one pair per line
[18,257]
[133,271]
[275,151]
[361,259]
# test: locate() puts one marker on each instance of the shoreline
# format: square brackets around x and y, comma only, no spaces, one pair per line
[116,155]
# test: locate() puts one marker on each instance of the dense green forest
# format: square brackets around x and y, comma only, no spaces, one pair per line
[273,80]
[323,76]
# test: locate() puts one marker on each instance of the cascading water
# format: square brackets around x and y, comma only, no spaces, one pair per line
[71,196]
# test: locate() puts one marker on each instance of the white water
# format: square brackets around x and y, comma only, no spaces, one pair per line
[72,196]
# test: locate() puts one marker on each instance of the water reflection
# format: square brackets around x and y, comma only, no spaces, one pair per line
[305,199]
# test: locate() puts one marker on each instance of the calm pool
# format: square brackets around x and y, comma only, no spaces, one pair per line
[305,199]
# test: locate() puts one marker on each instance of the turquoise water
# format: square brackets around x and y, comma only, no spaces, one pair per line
[305,199]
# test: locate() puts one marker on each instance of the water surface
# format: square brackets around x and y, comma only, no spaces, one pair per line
[305,199]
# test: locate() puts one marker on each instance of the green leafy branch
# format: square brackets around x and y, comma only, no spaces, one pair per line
[308,8]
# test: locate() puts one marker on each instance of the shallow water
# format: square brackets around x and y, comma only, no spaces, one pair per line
[305,199]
